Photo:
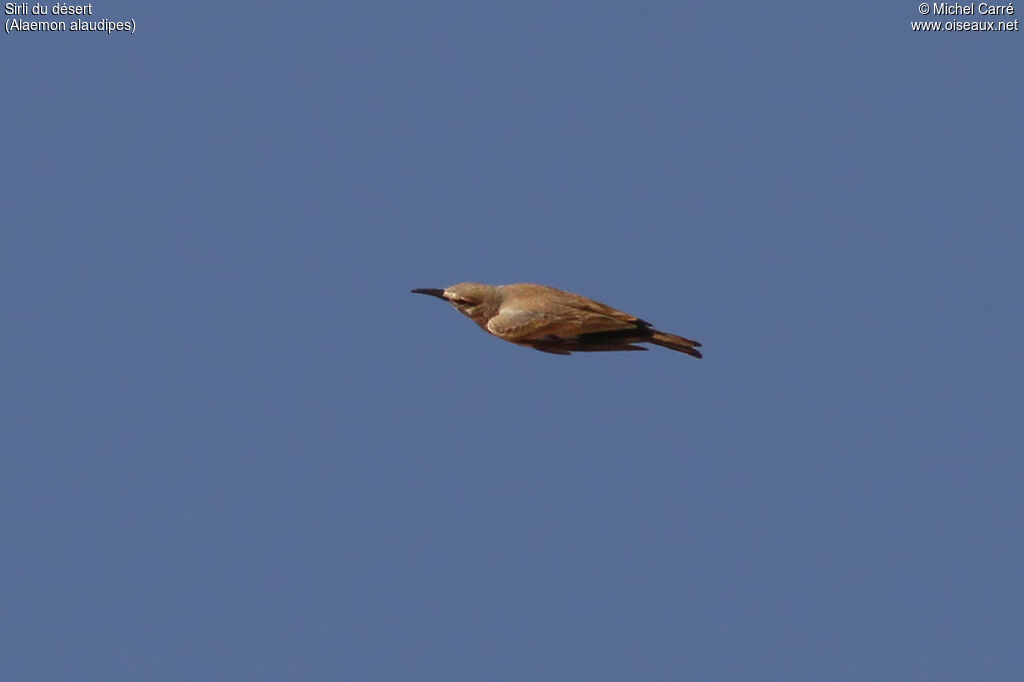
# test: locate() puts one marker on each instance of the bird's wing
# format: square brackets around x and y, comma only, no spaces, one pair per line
[558,300]
[558,322]
[521,325]
[592,307]
[590,316]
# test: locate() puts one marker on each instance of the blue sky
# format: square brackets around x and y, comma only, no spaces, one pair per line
[236,448]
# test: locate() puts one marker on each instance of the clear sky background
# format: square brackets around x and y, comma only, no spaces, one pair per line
[235,447]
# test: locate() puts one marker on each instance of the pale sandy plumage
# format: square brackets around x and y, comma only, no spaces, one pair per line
[554,321]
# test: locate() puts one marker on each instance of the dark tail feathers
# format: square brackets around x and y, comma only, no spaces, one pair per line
[675,343]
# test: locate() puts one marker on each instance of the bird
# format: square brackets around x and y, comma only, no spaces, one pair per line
[554,321]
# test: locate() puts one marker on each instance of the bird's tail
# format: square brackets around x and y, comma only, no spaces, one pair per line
[675,343]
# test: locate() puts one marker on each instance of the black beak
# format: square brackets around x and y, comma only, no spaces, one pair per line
[439,293]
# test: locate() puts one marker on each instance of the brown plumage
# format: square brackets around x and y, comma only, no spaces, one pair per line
[554,321]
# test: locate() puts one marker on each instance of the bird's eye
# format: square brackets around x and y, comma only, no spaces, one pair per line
[461,301]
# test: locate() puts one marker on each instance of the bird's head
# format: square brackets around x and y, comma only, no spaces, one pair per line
[479,302]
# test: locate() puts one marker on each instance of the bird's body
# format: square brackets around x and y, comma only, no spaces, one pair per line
[554,321]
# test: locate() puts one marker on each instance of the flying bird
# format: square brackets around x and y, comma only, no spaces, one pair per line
[554,321]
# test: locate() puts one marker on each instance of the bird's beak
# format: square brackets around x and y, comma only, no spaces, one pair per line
[439,293]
